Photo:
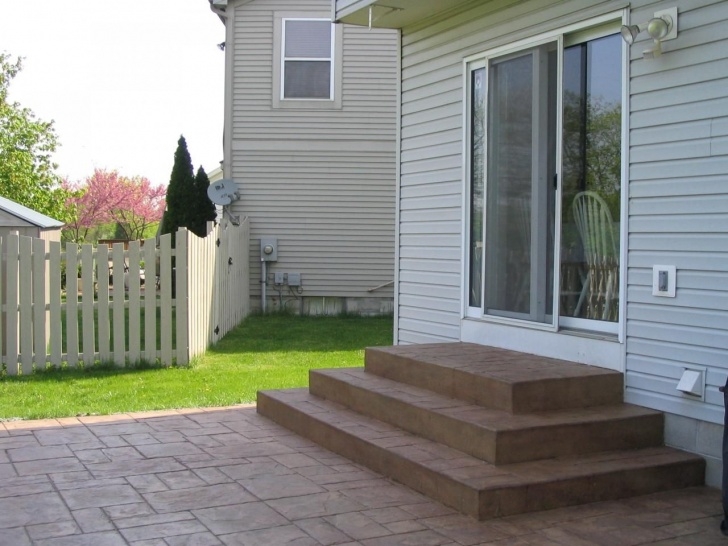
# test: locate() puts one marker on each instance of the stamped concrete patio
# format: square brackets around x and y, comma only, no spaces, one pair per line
[228,476]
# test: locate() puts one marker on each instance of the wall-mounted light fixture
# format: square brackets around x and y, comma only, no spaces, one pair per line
[662,27]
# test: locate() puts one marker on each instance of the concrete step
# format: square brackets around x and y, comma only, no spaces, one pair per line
[468,484]
[497,378]
[493,435]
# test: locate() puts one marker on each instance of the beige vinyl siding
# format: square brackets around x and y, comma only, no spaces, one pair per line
[679,212]
[320,180]
[431,185]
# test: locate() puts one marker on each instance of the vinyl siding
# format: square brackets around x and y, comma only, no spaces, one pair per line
[320,180]
[431,182]
[678,193]
[678,212]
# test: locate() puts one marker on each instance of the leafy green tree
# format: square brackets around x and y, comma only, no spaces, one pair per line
[27,173]
[205,208]
[592,149]
[181,195]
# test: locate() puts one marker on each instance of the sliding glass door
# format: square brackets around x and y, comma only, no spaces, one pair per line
[591,187]
[522,140]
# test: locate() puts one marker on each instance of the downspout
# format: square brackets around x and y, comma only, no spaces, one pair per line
[263,284]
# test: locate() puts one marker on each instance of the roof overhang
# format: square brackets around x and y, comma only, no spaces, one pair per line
[395,13]
[218,7]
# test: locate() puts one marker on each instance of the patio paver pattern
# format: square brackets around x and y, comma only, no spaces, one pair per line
[227,476]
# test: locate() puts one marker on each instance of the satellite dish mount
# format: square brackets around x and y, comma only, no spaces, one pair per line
[223,192]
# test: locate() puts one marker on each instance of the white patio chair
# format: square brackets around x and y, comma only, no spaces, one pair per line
[601,253]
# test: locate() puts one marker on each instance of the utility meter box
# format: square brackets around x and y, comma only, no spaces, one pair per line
[268,249]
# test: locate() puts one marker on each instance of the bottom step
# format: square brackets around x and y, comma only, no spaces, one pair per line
[470,485]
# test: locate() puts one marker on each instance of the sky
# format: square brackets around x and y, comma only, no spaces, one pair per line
[121,79]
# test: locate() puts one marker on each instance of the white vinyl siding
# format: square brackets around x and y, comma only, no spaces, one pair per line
[431,202]
[677,190]
[678,212]
[320,180]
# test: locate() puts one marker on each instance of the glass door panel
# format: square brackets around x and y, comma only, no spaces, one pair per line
[477,185]
[591,187]
[519,195]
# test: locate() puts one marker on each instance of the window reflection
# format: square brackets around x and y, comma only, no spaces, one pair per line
[591,179]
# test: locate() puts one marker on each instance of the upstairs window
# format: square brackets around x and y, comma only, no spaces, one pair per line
[307,59]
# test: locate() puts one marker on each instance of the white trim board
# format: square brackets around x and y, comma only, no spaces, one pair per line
[572,346]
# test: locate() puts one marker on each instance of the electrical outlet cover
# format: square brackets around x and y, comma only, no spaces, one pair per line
[671,273]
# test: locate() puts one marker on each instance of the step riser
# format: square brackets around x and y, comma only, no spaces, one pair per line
[582,439]
[481,504]
[451,432]
[604,487]
[498,448]
[526,397]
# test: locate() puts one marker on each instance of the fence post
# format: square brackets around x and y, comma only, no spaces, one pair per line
[121,277]
[167,289]
[54,287]
[25,294]
[102,303]
[135,299]
[40,326]
[87,304]
[11,308]
[182,300]
[151,256]
[72,348]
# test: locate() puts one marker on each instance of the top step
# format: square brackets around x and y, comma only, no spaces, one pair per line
[497,378]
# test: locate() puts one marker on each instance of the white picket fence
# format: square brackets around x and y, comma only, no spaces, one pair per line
[177,305]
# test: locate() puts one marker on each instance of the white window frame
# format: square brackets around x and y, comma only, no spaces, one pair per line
[483,60]
[279,63]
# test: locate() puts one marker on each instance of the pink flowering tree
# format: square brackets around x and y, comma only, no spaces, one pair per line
[143,207]
[107,197]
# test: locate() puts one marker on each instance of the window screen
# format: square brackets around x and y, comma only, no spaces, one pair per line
[307,59]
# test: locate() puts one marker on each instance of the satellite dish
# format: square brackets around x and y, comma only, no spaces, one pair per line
[223,192]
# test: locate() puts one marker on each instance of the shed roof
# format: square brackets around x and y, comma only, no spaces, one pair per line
[29,215]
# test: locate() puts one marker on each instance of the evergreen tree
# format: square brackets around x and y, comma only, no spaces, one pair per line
[205,209]
[119,232]
[181,194]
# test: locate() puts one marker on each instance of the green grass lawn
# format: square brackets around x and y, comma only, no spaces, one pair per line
[264,352]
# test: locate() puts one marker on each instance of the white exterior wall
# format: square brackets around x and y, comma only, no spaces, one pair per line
[677,191]
[679,216]
[431,203]
[320,180]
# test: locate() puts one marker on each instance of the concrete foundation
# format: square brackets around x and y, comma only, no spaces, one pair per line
[330,305]
[701,437]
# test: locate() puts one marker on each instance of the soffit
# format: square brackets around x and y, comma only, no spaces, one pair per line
[401,13]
